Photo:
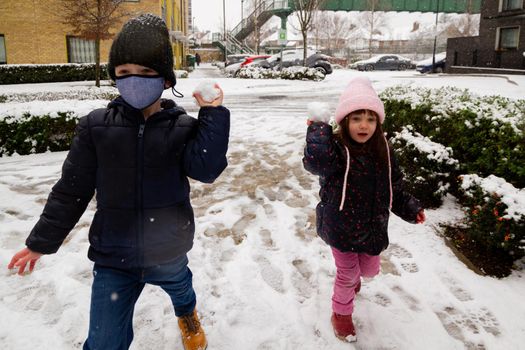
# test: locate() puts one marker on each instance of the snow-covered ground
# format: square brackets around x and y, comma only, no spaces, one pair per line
[263,279]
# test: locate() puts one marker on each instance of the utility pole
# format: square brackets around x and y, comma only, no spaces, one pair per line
[435,40]
[224,32]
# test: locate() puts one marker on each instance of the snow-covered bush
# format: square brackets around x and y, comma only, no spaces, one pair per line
[290,73]
[428,166]
[487,134]
[102,93]
[46,73]
[36,134]
[495,213]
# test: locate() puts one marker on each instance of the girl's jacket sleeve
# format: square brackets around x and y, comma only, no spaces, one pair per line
[205,154]
[404,204]
[320,153]
[69,197]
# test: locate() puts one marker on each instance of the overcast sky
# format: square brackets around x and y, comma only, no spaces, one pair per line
[207,14]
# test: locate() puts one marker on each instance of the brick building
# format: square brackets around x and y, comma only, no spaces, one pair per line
[32,32]
[500,46]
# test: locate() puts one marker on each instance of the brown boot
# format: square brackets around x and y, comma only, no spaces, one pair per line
[193,337]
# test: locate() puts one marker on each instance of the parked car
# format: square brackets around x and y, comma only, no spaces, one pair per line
[295,58]
[425,66]
[237,58]
[384,62]
[233,69]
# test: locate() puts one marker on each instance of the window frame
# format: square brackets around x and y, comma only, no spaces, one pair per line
[70,48]
[4,48]
[499,37]
[504,5]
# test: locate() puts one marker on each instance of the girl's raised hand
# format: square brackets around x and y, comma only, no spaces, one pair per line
[318,112]
[420,218]
[21,259]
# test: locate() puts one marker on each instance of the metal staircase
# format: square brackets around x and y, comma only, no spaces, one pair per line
[260,15]
[231,44]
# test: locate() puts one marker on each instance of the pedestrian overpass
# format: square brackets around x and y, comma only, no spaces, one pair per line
[233,42]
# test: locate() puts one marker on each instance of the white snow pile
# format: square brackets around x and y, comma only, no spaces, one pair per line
[207,89]
[75,108]
[512,197]
[91,93]
[319,111]
[449,100]
[434,151]
[289,73]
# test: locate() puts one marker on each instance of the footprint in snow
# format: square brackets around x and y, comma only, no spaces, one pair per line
[270,274]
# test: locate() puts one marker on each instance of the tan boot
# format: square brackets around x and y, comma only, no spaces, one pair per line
[193,337]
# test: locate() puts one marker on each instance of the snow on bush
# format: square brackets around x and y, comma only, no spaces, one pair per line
[93,93]
[447,101]
[290,73]
[495,213]
[427,166]
[492,185]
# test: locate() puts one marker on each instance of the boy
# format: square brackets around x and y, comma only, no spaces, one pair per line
[137,157]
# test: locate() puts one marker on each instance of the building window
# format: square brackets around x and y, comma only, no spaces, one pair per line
[80,50]
[508,38]
[3,56]
[508,5]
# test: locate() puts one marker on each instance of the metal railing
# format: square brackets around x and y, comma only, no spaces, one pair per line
[268,5]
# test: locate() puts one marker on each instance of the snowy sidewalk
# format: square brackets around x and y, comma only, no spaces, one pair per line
[263,279]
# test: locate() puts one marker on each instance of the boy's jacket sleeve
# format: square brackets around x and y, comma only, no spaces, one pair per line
[69,197]
[404,204]
[320,152]
[205,153]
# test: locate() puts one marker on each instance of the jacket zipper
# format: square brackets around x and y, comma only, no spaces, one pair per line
[140,207]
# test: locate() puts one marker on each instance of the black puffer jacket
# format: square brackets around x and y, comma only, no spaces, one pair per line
[361,225]
[139,170]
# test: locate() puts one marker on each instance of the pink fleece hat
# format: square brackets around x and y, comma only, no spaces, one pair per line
[359,94]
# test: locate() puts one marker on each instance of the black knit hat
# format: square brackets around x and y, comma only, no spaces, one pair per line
[143,40]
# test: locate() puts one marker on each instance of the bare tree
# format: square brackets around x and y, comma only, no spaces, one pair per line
[305,9]
[332,29]
[92,20]
[373,21]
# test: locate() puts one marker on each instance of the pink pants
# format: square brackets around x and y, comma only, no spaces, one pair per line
[350,268]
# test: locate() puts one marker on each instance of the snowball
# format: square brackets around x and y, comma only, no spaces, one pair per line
[319,111]
[207,90]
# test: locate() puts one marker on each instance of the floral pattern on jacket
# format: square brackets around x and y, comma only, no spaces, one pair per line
[361,225]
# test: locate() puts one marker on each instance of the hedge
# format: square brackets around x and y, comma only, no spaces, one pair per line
[48,73]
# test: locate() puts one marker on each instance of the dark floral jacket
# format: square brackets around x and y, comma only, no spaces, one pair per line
[360,223]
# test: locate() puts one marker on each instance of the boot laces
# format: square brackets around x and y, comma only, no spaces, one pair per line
[191,324]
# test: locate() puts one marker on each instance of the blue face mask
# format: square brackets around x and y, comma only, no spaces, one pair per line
[140,91]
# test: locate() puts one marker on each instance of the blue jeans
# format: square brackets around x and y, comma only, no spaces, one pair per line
[115,292]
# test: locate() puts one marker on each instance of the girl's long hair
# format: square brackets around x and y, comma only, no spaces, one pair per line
[376,145]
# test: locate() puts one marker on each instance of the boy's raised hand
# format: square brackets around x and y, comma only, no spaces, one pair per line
[318,112]
[208,95]
[21,259]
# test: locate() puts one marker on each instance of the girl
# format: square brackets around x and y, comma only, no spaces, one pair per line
[360,182]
